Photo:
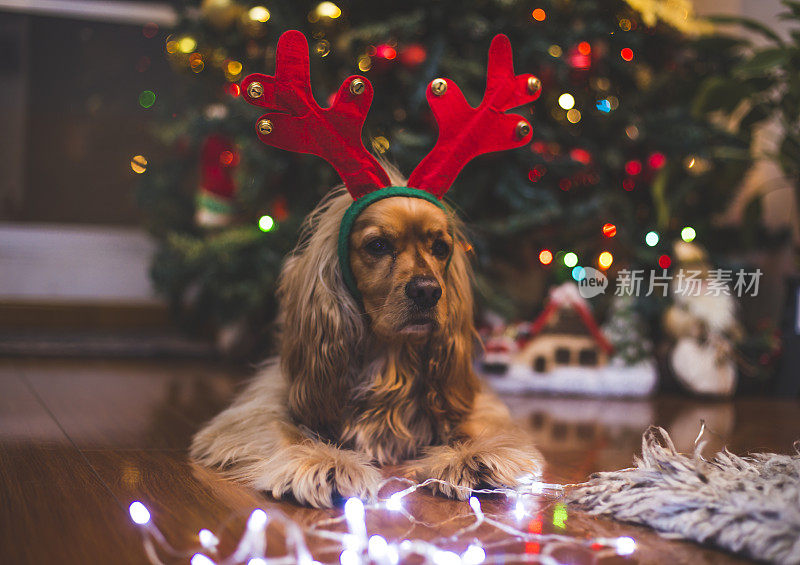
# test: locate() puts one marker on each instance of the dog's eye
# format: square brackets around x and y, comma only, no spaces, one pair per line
[440,249]
[378,247]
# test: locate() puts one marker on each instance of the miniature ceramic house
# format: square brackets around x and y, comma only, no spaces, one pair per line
[565,334]
[498,353]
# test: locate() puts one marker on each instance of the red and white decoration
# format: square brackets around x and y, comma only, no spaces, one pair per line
[217,189]
[563,351]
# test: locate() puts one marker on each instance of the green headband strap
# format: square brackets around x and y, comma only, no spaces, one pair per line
[358,206]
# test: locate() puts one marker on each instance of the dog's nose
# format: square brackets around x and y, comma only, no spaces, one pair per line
[425,292]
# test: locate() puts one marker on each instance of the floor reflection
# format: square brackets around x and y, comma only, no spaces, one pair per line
[111,404]
[600,434]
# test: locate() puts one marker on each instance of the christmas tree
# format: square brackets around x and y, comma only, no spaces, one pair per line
[619,166]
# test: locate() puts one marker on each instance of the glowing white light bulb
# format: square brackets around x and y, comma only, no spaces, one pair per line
[266,223]
[354,515]
[139,513]
[256,561]
[257,520]
[328,10]
[304,557]
[349,557]
[519,509]
[377,548]
[354,510]
[475,504]
[207,539]
[351,541]
[625,545]
[200,559]
[474,555]
[446,558]
[259,14]
[395,502]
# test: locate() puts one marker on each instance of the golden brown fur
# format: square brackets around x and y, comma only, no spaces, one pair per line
[371,382]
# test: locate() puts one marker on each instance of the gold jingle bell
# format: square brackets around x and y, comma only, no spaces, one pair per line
[523,128]
[264,127]
[255,90]
[357,86]
[534,85]
[439,86]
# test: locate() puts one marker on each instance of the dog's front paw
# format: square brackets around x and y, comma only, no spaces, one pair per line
[476,463]
[316,473]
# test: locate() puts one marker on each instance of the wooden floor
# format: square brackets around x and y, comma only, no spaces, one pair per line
[80,440]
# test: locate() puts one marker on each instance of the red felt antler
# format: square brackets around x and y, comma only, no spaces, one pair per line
[466,132]
[297,123]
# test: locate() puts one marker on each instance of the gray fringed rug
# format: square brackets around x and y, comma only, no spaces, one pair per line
[747,505]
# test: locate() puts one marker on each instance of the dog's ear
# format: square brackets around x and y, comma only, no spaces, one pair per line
[451,357]
[322,326]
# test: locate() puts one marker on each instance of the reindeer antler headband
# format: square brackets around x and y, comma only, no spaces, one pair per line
[295,122]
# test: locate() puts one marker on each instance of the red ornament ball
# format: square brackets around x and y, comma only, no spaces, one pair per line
[579,60]
[657,160]
[385,51]
[580,155]
[280,208]
[633,168]
[150,30]
[228,159]
[413,55]
[536,173]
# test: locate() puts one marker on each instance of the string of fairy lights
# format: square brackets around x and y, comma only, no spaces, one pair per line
[678,14]
[605,259]
[579,58]
[347,535]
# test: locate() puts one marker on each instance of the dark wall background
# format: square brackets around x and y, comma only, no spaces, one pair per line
[77,85]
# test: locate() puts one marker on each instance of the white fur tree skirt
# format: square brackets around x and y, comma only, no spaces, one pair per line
[747,505]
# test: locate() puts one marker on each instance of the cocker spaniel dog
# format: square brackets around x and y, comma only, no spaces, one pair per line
[373,376]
